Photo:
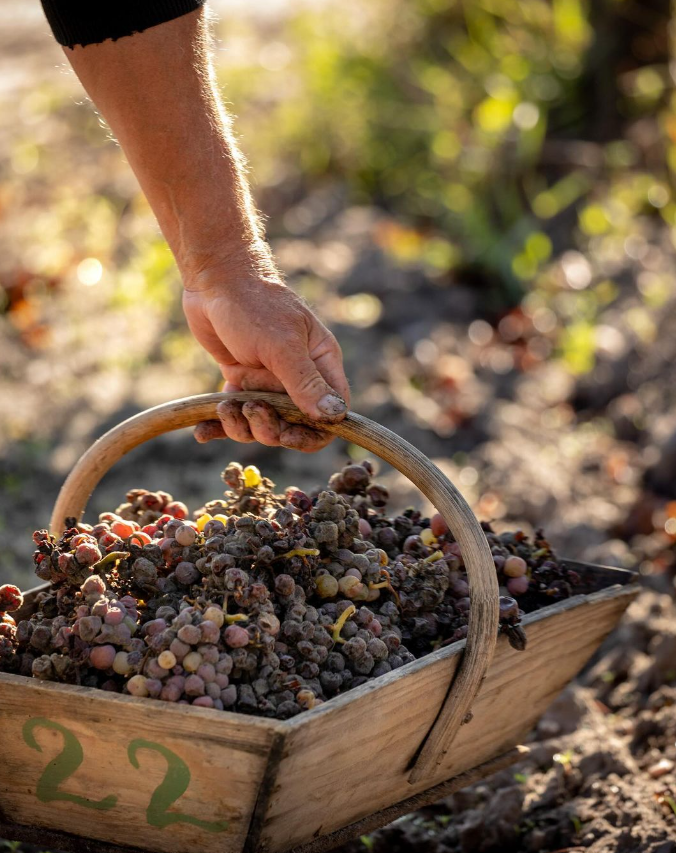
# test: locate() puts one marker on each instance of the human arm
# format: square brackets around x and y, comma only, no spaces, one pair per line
[157,92]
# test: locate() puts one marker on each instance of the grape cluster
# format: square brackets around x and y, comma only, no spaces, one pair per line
[11,600]
[262,603]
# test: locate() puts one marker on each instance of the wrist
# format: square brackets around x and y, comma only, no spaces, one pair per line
[208,226]
[229,266]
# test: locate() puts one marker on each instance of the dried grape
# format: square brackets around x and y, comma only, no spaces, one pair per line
[265,603]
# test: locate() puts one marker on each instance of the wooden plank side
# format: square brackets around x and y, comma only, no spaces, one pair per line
[425,798]
[521,685]
[45,838]
[129,771]
[51,839]
[352,760]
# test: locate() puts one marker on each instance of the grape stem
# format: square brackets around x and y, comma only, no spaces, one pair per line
[342,619]
[299,552]
[437,555]
[113,557]
[387,584]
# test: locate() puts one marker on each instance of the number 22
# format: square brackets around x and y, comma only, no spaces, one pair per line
[173,786]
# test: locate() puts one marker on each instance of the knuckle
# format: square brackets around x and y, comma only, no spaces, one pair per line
[228,409]
[312,383]
[258,410]
[328,345]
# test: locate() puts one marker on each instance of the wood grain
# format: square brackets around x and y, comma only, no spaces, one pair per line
[452,706]
[265,791]
[419,801]
[226,756]
[46,839]
[69,843]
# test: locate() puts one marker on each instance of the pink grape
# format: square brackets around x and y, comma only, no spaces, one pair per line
[236,637]
[102,657]
[438,525]
[518,586]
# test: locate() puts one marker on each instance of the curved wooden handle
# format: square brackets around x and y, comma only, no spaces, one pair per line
[483,619]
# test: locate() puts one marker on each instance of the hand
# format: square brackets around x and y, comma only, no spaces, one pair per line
[265,338]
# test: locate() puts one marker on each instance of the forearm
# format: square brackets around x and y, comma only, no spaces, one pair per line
[156,91]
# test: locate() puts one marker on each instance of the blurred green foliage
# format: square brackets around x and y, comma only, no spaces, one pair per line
[523,148]
[498,130]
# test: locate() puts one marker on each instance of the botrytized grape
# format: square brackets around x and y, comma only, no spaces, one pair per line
[102,657]
[11,598]
[514,567]
[192,661]
[236,637]
[517,585]
[137,685]
[264,604]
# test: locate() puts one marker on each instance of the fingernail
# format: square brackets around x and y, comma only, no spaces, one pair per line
[331,404]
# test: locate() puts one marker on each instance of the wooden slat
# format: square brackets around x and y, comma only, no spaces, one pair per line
[419,801]
[350,757]
[64,842]
[75,844]
[225,756]
[593,577]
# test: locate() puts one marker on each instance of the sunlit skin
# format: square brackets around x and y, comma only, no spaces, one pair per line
[156,91]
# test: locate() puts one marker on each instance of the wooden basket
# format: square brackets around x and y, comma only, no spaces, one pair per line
[79,763]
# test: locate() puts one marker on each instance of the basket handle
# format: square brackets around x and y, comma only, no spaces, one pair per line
[483,619]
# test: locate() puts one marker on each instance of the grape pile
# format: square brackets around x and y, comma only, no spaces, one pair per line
[263,604]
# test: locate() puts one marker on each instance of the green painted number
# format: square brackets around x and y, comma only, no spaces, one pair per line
[173,786]
[62,767]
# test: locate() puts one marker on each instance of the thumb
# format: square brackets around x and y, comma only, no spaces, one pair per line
[307,387]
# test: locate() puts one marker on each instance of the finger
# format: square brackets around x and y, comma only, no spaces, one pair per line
[297,437]
[212,430]
[208,431]
[253,379]
[235,425]
[260,379]
[306,386]
[229,387]
[263,422]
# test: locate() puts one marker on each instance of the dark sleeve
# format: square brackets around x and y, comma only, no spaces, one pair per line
[93,21]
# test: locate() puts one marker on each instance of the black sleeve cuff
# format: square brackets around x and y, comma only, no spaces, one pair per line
[93,21]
